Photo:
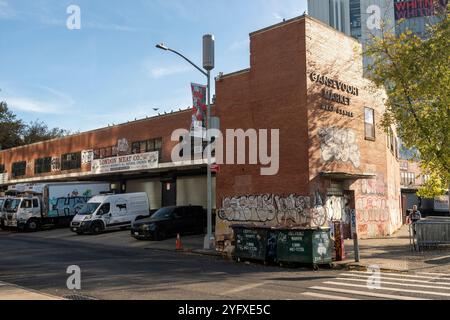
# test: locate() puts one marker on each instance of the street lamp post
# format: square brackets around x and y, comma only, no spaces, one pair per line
[208,65]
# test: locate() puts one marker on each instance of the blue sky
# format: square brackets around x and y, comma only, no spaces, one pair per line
[109,71]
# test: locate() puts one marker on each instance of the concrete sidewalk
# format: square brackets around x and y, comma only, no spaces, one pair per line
[394,254]
[13,292]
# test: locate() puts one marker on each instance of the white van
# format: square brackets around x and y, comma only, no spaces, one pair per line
[107,212]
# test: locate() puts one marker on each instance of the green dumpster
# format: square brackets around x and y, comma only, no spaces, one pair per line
[308,246]
[254,243]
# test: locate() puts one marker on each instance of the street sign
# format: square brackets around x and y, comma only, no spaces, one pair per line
[215,168]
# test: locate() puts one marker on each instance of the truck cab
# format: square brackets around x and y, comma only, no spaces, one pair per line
[22,213]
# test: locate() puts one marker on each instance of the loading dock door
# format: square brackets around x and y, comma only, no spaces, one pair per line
[151,187]
[192,191]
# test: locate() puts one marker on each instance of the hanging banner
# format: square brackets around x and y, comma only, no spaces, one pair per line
[199,106]
[142,161]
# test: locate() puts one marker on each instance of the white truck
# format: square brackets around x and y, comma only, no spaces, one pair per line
[108,212]
[35,206]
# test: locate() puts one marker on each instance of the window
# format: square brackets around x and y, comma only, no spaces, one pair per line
[27,204]
[35,203]
[103,153]
[71,161]
[104,209]
[147,146]
[19,169]
[369,123]
[42,165]
[2,168]
[408,178]
[425,178]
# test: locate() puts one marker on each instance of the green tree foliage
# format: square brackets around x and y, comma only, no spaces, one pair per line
[38,131]
[14,132]
[10,128]
[416,75]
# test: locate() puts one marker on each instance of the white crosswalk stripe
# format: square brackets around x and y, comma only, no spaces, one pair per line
[393,286]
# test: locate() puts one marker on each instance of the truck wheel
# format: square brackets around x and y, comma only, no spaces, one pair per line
[96,228]
[32,225]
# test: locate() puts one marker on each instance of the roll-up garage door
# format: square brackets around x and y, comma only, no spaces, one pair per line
[192,191]
[151,187]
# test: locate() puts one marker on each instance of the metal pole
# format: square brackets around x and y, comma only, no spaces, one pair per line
[209,177]
[355,235]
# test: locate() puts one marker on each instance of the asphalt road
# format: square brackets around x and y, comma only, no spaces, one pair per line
[112,268]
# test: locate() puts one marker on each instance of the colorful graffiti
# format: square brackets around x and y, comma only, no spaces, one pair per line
[339,144]
[293,209]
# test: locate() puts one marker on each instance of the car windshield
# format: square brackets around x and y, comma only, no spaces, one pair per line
[88,208]
[11,205]
[162,213]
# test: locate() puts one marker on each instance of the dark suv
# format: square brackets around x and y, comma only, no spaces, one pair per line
[169,221]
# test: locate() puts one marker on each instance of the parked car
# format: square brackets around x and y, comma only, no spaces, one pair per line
[169,221]
[107,212]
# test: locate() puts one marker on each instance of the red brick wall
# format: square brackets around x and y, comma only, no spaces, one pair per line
[271,95]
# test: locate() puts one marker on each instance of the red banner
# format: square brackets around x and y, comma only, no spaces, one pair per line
[199,106]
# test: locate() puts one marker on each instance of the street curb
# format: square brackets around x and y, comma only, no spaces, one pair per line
[53,297]
[363,267]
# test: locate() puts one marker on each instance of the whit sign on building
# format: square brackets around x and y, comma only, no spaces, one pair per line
[142,161]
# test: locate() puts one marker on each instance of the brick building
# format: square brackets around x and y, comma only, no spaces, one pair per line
[305,80]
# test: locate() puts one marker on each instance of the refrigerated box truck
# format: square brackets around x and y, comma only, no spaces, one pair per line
[35,206]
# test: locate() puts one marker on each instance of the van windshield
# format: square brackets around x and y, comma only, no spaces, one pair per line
[11,205]
[88,208]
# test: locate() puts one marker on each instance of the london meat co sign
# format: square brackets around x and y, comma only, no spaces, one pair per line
[142,161]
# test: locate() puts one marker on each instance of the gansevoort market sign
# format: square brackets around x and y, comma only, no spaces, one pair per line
[142,161]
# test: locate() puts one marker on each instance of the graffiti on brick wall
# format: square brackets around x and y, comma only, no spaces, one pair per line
[292,209]
[339,144]
[372,207]
[375,186]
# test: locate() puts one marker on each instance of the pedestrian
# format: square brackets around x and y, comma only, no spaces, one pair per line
[414,216]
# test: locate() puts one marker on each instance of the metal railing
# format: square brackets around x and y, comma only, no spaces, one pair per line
[430,233]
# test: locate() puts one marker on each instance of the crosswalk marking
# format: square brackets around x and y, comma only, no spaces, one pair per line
[389,289]
[393,286]
[365,293]
[401,275]
[327,296]
[396,283]
[398,279]
[435,274]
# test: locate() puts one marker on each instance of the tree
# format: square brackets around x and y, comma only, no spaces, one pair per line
[416,75]
[10,128]
[38,131]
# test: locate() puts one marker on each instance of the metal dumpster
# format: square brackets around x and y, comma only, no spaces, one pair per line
[254,243]
[308,246]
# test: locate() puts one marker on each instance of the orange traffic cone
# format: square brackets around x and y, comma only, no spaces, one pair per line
[179,245]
